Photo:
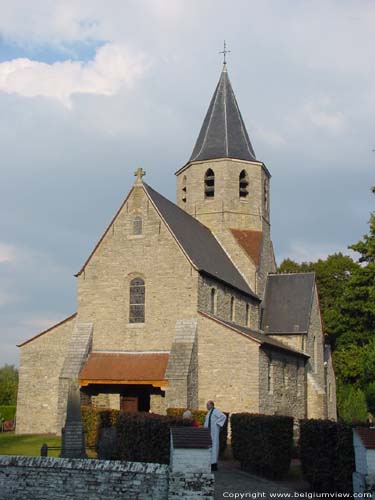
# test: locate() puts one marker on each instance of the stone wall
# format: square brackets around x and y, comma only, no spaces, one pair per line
[223,299]
[285,393]
[228,368]
[171,284]
[40,365]
[23,478]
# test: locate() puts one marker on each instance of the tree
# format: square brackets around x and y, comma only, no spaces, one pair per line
[351,404]
[8,385]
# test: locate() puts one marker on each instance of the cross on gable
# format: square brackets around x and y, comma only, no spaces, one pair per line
[139,173]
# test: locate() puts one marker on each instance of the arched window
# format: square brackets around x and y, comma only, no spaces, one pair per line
[137,301]
[232,309]
[213,301]
[137,225]
[209,184]
[183,197]
[244,184]
[247,314]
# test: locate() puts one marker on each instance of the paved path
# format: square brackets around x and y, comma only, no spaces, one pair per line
[229,479]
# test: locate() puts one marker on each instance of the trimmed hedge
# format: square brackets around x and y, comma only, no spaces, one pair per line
[94,420]
[262,443]
[327,455]
[8,412]
[199,416]
[145,437]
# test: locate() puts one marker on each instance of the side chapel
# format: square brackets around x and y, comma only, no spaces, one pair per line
[181,303]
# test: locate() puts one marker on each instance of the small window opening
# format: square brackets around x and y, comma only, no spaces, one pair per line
[269,375]
[184,192]
[265,194]
[244,184]
[232,309]
[247,314]
[137,225]
[213,301]
[209,184]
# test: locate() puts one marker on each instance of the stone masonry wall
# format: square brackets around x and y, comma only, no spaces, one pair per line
[171,284]
[223,298]
[40,365]
[25,478]
[228,368]
[286,392]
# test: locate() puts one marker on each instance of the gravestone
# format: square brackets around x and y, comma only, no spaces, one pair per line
[73,434]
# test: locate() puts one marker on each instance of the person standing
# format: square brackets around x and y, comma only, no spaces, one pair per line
[215,420]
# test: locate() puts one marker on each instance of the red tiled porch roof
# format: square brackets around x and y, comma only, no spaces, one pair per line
[125,368]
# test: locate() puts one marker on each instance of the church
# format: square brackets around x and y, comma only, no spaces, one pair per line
[179,303]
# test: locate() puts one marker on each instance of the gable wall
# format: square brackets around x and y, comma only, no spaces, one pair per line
[285,395]
[228,368]
[103,288]
[41,362]
[223,298]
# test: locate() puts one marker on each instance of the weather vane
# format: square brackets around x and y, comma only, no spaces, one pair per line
[225,52]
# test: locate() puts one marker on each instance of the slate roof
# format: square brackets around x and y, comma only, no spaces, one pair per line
[198,242]
[132,366]
[223,133]
[191,437]
[260,337]
[287,303]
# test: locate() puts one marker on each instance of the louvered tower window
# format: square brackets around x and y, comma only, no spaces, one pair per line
[183,197]
[137,301]
[209,184]
[244,184]
[137,225]
[213,301]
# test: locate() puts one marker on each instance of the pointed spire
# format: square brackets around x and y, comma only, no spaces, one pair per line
[223,133]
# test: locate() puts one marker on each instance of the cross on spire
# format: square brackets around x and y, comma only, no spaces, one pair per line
[225,52]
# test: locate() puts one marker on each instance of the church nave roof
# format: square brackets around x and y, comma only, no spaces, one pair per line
[198,242]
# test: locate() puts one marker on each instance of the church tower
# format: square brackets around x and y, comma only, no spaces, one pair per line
[226,188]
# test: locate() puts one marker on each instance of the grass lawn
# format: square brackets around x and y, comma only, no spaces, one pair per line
[27,444]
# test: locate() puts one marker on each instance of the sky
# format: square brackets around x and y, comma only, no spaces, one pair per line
[92,90]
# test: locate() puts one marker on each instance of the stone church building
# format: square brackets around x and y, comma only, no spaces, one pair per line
[181,303]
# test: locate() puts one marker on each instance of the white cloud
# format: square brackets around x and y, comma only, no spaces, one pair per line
[320,116]
[7,253]
[269,137]
[113,67]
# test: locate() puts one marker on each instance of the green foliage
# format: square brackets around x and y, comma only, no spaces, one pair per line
[7,412]
[262,443]
[8,385]
[327,455]
[96,419]
[370,397]
[199,416]
[351,403]
[348,362]
[145,437]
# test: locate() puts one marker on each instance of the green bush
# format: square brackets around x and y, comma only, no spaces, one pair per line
[7,412]
[96,419]
[199,416]
[263,443]
[145,437]
[352,405]
[327,455]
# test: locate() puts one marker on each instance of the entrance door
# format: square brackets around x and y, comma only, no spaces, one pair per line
[129,403]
